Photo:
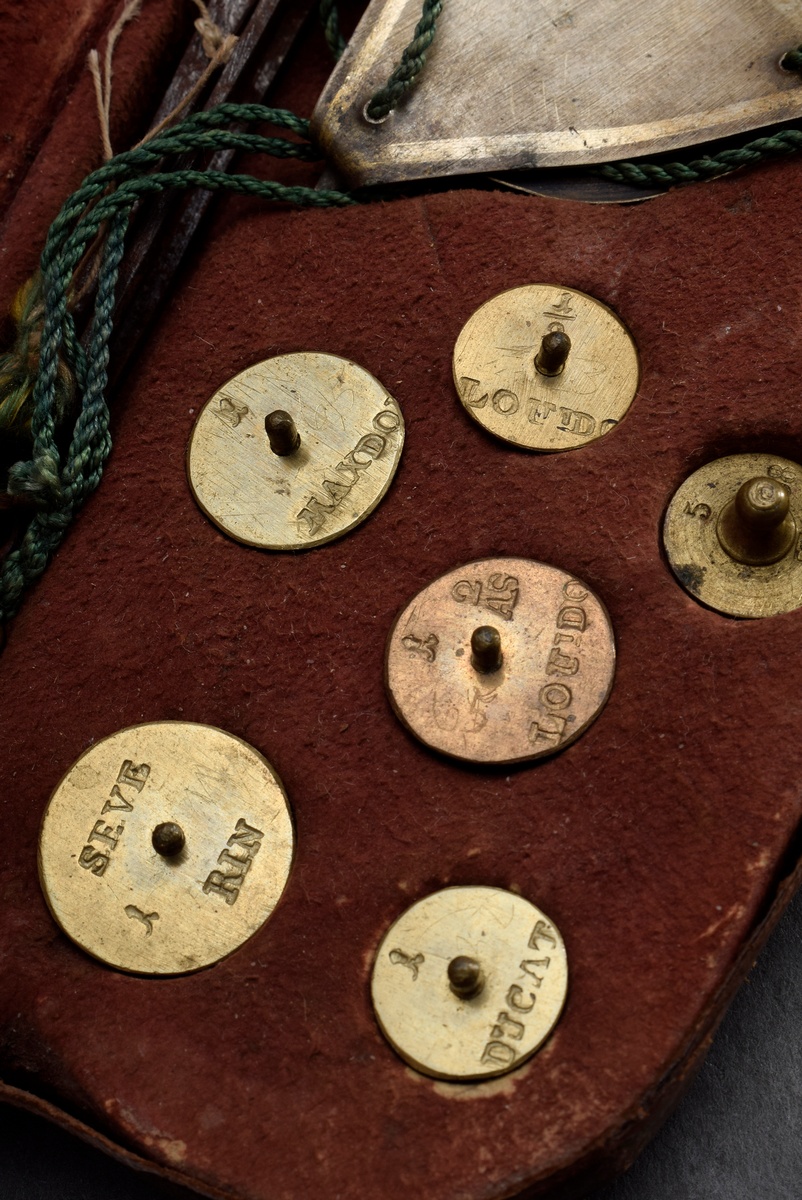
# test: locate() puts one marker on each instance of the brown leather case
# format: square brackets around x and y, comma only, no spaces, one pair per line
[663,843]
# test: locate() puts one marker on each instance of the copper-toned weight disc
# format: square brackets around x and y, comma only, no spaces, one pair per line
[327,457]
[469,982]
[165,847]
[733,535]
[506,382]
[501,661]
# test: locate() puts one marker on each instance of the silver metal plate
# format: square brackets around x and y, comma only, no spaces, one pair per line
[509,84]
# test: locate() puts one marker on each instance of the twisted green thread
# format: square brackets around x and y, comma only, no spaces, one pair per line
[407,70]
[330,20]
[18,366]
[59,483]
[48,365]
[710,166]
[639,174]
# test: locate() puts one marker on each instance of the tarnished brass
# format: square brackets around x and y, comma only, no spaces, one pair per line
[557,652]
[732,535]
[486,653]
[546,367]
[469,982]
[756,527]
[553,353]
[465,977]
[165,847]
[295,452]
[510,84]
[282,433]
[168,839]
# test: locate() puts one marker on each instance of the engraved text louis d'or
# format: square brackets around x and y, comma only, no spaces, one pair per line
[563,663]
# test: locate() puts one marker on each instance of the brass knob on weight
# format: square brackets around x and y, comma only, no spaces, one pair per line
[757,527]
[731,535]
[486,655]
[168,839]
[553,353]
[282,434]
[465,977]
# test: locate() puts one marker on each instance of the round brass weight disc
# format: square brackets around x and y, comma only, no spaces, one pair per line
[548,680]
[697,519]
[217,812]
[501,386]
[350,433]
[515,994]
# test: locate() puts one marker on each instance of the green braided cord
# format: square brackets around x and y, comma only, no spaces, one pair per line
[59,482]
[197,133]
[90,444]
[785,141]
[410,66]
[641,174]
[411,63]
[330,21]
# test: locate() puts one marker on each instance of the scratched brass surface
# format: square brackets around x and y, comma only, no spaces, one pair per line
[499,385]
[351,434]
[699,560]
[558,661]
[510,84]
[124,903]
[525,979]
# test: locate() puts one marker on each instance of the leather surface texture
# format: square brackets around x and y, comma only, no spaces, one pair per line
[656,842]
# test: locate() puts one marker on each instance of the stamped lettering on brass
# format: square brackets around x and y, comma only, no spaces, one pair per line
[574,421]
[147,919]
[702,511]
[510,1023]
[542,932]
[563,662]
[561,308]
[532,965]
[784,474]
[425,647]
[499,593]
[472,392]
[235,862]
[540,411]
[336,486]
[231,411]
[399,958]
[479,704]
[103,839]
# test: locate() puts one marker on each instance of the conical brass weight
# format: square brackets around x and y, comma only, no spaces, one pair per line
[732,535]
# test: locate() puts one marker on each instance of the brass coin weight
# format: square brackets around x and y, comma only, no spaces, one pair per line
[469,982]
[501,661]
[165,847]
[295,451]
[546,367]
[733,535]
